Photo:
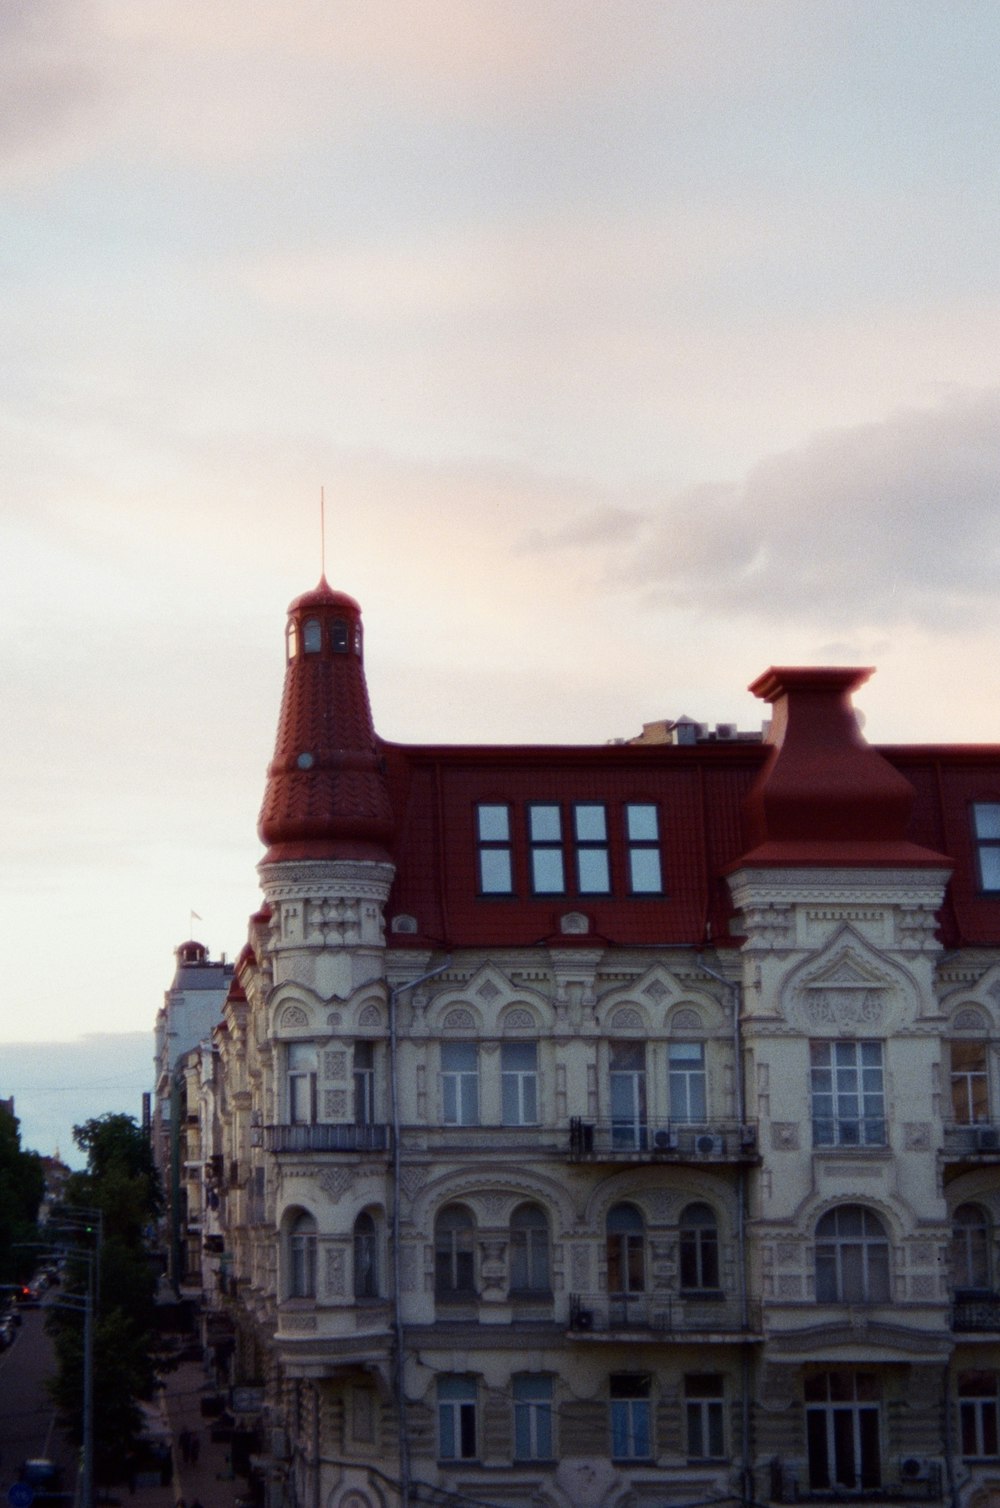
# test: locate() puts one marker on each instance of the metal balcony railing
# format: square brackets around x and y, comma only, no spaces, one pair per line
[976,1311]
[662,1314]
[971,1141]
[913,1479]
[324,1137]
[661,1141]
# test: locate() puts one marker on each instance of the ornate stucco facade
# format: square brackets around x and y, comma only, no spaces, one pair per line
[612,1127]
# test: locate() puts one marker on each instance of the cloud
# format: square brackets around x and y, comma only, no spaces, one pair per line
[890,523]
[50,91]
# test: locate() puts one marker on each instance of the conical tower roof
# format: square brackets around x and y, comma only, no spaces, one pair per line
[326,794]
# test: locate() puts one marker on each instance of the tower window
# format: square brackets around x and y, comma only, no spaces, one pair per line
[340,638]
[292,640]
[312,636]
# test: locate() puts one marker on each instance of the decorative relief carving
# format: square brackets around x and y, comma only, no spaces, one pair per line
[518,1020]
[335,1064]
[494,1206]
[970,1020]
[370,1019]
[922,1253]
[789,1286]
[768,925]
[687,1020]
[413,1180]
[459,1020]
[335,1104]
[660,1205]
[626,1019]
[488,992]
[335,1182]
[786,1253]
[656,991]
[785,1136]
[922,1287]
[333,922]
[573,924]
[334,1271]
[293,1015]
[915,928]
[916,1136]
[298,1322]
[334,1018]
[844,991]
[579,1262]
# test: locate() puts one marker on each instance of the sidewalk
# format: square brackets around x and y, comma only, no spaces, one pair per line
[207,1480]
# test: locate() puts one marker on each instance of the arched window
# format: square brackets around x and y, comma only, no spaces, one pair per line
[302,1257]
[529,1250]
[852,1257]
[699,1243]
[292,640]
[454,1256]
[365,1257]
[626,1250]
[970,1248]
[312,636]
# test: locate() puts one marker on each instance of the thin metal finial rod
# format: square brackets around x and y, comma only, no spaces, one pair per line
[322,532]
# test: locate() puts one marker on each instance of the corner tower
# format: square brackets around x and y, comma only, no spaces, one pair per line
[326,817]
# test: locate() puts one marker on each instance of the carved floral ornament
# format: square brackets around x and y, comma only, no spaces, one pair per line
[292,1017]
[970,1019]
[847,988]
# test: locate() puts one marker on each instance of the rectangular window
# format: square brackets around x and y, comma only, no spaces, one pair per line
[642,844]
[519,1083]
[704,1413]
[364,1083]
[686,1066]
[533,1419]
[548,875]
[456,1418]
[628,1094]
[842,1431]
[970,1100]
[631,1435]
[848,1094]
[986,828]
[590,830]
[460,1083]
[978,1415]
[303,1060]
[496,870]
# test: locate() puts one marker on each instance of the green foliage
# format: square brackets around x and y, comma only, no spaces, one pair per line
[112,1206]
[22,1184]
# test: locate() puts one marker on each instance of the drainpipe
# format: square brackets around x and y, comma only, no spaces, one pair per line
[397,1184]
[746,1474]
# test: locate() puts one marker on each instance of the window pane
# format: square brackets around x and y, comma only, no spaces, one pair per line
[495,871]
[547,871]
[986,816]
[591,823]
[544,824]
[640,823]
[593,870]
[644,871]
[494,823]
[989,864]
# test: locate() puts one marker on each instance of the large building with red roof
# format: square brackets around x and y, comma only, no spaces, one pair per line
[616,1125]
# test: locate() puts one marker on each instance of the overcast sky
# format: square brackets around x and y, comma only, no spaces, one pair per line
[638,345]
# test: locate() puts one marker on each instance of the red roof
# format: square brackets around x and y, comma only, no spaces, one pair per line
[814,794]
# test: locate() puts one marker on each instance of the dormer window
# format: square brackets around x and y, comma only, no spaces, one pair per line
[312,636]
[340,638]
[986,826]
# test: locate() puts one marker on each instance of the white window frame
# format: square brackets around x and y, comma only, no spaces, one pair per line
[687,1082]
[631,1418]
[705,1416]
[458,1425]
[847,1081]
[519,1084]
[460,1083]
[533,1439]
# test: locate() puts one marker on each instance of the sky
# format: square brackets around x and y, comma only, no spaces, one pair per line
[637,344]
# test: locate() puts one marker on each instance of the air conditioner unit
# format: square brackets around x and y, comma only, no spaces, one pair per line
[583,1319]
[915,1469]
[748,1138]
[664,1140]
[707,1145]
[987,1139]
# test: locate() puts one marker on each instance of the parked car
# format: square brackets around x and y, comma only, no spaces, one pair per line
[43,1476]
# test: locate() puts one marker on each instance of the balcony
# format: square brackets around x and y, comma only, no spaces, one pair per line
[327,1138]
[964,1145]
[915,1480]
[976,1312]
[661,1141]
[659,1314]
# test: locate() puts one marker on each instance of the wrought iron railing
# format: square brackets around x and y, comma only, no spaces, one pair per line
[661,1141]
[325,1137]
[661,1313]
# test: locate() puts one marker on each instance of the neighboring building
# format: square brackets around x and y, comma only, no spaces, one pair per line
[191,1009]
[615,1125]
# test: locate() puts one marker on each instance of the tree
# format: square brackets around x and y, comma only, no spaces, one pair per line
[22,1184]
[114,1202]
